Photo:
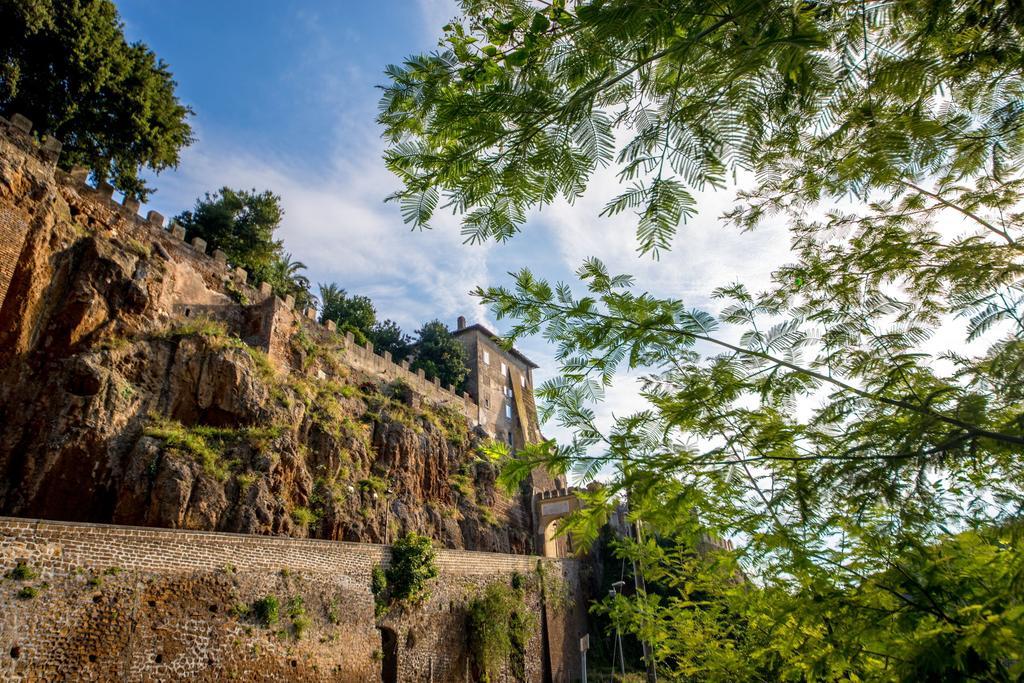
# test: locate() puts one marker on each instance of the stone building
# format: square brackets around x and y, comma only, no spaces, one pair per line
[500,382]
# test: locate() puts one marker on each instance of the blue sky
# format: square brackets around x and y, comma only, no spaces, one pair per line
[285,99]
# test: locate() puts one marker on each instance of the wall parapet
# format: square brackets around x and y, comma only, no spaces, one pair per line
[159,549]
[367,359]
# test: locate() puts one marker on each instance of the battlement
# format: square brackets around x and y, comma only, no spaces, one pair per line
[171,235]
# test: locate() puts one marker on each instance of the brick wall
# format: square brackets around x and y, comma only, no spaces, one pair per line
[129,603]
[13,229]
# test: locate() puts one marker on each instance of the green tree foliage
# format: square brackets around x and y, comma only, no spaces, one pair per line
[440,355]
[859,424]
[412,566]
[355,313]
[499,627]
[287,278]
[530,99]
[386,335]
[66,65]
[242,223]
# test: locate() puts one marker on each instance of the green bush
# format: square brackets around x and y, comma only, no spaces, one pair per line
[28,592]
[297,613]
[266,610]
[379,588]
[499,627]
[303,516]
[412,566]
[22,572]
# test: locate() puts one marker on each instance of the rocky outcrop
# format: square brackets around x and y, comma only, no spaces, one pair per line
[128,394]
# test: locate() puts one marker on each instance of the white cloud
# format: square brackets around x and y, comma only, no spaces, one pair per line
[436,13]
[337,224]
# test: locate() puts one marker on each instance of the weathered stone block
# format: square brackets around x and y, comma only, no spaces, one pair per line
[177,230]
[220,257]
[369,346]
[349,339]
[156,218]
[405,365]
[199,244]
[332,326]
[420,374]
[311,313]
[51,147]
[22,123]
[387,356]
[450,389]
[241,275]
[105,189]
[266,289]
[131,203]
[79,175]
[437,382]
[289,302]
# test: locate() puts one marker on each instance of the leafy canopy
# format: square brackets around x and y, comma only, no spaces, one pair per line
[387,336]
[528,100]
[242,223]
[858,425]
[353,313]
[67,66]
[440,355]
[357,314]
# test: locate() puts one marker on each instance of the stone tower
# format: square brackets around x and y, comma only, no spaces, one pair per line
[500,381]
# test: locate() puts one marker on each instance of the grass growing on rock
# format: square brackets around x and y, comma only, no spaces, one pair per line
[208,444]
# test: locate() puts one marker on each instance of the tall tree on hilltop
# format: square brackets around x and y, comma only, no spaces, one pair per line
[241,223]
[440,355]
[67,66]
[860,423]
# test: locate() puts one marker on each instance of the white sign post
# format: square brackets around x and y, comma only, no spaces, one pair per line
[584,646]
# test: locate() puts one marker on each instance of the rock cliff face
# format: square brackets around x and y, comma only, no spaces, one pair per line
[132,391]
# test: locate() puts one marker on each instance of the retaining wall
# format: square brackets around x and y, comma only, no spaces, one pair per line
[130,603]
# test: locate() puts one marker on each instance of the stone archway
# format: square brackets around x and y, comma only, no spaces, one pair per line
[551,507]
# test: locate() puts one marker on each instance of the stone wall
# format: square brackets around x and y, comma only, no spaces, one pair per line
[130,603]
[13,229]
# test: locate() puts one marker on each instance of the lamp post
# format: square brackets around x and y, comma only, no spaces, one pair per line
[617,590]
[387,514]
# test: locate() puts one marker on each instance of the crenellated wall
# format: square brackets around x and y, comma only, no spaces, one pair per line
[279,315]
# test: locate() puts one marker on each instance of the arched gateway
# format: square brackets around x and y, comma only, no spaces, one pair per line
[550,507]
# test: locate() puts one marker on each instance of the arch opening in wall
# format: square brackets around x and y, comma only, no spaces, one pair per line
[389,655]
[555,545]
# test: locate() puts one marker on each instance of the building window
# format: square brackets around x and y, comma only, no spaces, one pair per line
[510,438]
[522,381]
[504,370]
[487,402]
[508,411]
[487,357]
